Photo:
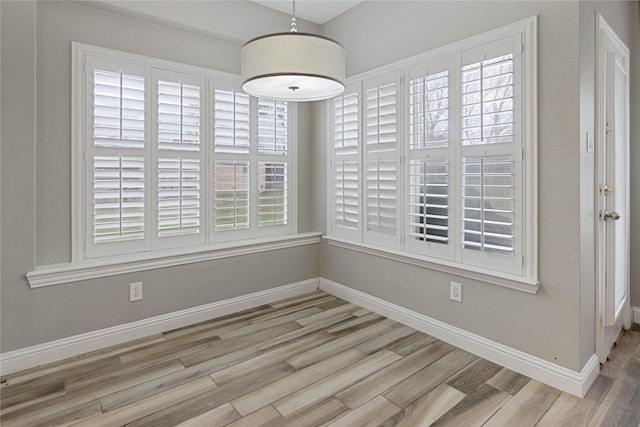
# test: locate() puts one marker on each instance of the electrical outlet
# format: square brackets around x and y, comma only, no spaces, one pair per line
[135,291]
[455,291]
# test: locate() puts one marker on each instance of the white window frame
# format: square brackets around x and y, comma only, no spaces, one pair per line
[524,273]
[207,241]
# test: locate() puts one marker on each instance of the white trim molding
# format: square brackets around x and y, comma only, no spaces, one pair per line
[636,314]
[575,383]
[485,275]
[41,354]
[75,271]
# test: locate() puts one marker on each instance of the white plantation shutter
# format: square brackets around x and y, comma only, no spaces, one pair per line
[381,170]
[178,116]
[178,196]
[167,156]
[487,193]
[272,127]
[487,101]
[272,194]
[180,158]
[382,188]
[118,110]
[346,165]
[429,108]
[115,212]
[231,121]
[118,198]
[491,159]
[429,207]
[445,168]
[272,150]
[232,173]
[346,124]
[346,207]
[231,195]
[250,164]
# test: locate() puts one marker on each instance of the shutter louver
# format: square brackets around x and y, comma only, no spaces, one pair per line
[118,198]
[488,204]
[231,198]
[272,127]
[231,123]
[118,110]
[272,193]
[429,200]
[178,196]
[487,101]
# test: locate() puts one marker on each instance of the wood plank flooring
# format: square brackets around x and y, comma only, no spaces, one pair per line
[307,361]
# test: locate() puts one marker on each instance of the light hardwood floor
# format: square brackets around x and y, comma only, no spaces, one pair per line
[307,361]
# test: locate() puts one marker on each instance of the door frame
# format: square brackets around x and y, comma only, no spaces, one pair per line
[606,37]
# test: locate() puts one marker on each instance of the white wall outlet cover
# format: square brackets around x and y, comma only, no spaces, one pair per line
[455,291]
[135,291]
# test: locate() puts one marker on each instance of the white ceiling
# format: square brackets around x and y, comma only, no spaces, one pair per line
[318,11]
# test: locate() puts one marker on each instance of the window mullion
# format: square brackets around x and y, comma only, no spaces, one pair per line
[253,166]
[455,157]
[482,198]
[151,160]
[208,160]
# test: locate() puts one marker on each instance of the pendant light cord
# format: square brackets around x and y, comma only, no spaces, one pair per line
[294,26]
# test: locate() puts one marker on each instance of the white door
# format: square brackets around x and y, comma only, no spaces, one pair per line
[612,159]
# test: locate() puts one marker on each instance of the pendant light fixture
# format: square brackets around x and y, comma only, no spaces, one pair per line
[293,66]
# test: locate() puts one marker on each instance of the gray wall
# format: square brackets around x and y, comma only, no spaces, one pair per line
[557,324]
[36,165]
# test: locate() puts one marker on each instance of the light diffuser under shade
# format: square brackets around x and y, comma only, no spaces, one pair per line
[293,67]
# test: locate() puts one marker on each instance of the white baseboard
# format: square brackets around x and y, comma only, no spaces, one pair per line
[41,354]
[636,314]
[575,383]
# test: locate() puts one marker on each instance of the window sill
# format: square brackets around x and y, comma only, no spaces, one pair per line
[56,274]
[511,281]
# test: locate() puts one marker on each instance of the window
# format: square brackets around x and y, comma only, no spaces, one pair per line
[447,155]
[175,156]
